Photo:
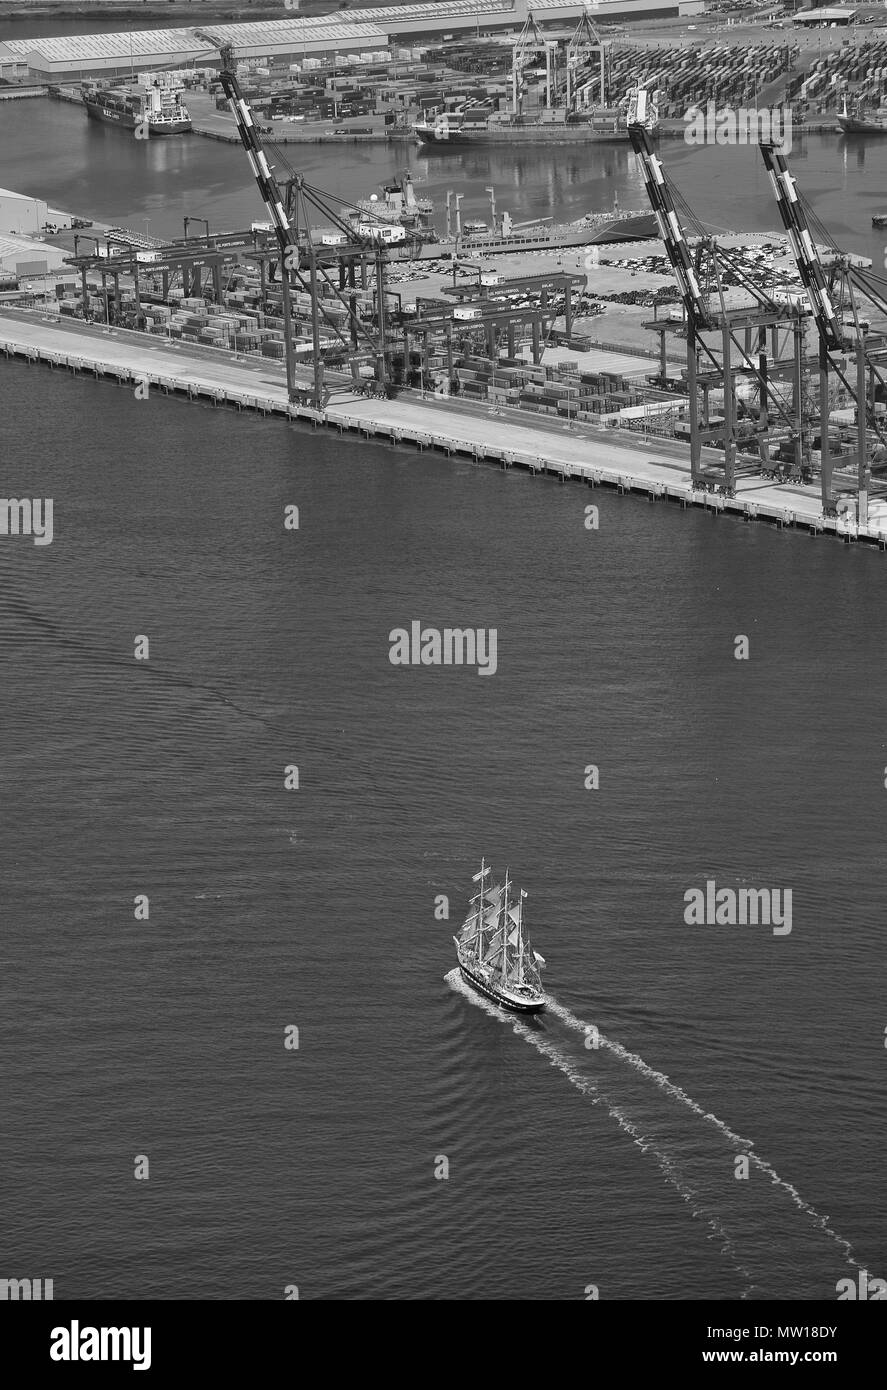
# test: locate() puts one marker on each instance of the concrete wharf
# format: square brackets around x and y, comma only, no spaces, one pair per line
[592,455]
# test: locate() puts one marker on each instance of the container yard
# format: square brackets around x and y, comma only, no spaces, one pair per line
[552,74]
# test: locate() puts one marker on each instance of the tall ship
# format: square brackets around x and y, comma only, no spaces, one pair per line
[856,121]
[159,110]
[494,951]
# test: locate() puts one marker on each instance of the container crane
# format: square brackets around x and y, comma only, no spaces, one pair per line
[700,276]
[298,254]
[834,285]
[529,45]
[584,43]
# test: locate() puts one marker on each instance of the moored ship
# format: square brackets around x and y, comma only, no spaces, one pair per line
[450,130]
[156,111]
[856,121]
[595,229]
[399,207]
[494,951]
[447,133]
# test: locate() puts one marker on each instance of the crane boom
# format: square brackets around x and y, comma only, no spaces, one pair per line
[267,184]
[295,253]
[804,252]
[841,331]
[662,203]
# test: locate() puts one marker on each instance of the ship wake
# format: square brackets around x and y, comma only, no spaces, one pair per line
[779,1245]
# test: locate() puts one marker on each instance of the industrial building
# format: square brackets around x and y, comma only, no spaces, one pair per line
[115,55]
[21,257]
[826,16]
[22,215]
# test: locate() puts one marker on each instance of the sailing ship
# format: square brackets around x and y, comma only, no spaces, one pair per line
[494,951]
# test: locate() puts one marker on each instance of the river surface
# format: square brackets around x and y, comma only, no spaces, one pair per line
[605,1143]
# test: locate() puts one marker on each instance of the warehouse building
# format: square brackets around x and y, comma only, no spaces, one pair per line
[22,215]
[21,257]
[826,16]
[117,55]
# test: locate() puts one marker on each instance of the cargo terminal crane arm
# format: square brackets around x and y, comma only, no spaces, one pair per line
[528,46]
[584,43]
[293,253]
[804,252]
[700,277]
[832,290]
[661,199]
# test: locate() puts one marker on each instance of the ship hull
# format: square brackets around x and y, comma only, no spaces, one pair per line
[128,120]
[491,992]
[604,233]
[850,125]
[442,143]
[608,230]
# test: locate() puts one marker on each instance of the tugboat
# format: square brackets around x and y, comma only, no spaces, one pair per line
[494,951]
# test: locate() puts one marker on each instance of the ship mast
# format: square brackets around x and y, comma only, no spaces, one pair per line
[520,937]
[480,900]
[505,927]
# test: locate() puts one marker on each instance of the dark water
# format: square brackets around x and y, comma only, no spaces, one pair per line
[568,1165]
[52,150]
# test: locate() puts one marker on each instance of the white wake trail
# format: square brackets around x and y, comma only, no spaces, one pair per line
[746,1145]
[587,1087]
[669,1148]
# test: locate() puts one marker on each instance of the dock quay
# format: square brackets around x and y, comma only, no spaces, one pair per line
[330,137]
[581,453]
[18,92]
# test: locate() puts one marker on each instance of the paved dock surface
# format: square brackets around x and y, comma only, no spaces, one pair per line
[659,468]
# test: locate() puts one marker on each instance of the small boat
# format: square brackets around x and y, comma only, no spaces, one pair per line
[494,951]
[879,219]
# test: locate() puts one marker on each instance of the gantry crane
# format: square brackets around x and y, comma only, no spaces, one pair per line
[584,44]
[700,275]
[344,248]
[529,45]
[834,288]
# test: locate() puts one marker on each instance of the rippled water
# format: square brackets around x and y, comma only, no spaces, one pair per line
[569,1165]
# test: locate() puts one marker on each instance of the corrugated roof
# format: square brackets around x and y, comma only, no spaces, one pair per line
[25,249]
[26,197]
[825,14]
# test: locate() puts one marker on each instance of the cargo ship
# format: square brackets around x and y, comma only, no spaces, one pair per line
[595,229]
[494,951]
[857,122]
[397,206]
[403,220]
[157,110]
[450,130]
